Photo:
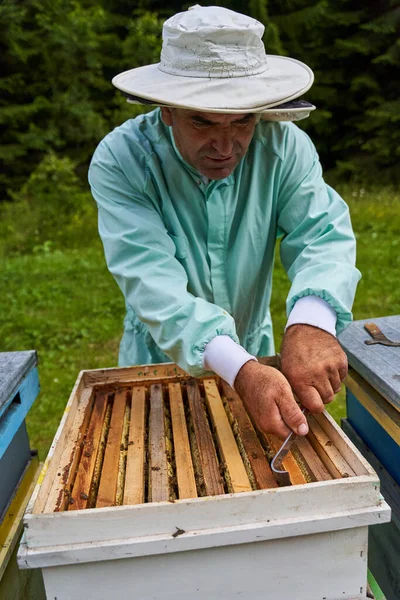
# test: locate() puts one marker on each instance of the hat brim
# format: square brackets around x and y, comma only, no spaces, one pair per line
[295,110]
[285,79]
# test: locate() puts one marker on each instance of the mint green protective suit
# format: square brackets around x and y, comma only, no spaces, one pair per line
[195,260]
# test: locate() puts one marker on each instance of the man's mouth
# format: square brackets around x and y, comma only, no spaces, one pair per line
[219,160]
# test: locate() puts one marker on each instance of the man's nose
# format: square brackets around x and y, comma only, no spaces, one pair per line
[224,142]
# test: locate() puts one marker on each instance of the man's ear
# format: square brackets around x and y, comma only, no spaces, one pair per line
[166,115]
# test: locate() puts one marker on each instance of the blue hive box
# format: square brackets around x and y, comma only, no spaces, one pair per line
[19,386]
[373,424]
[19,467]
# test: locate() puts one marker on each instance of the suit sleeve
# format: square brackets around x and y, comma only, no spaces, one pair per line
[318,245]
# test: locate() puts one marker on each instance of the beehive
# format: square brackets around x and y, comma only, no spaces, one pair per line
[168,473]
[373,424]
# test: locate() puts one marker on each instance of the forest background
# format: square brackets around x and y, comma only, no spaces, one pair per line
[56,103]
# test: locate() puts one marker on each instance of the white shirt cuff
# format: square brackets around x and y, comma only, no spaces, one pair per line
[312,310]
[225,357]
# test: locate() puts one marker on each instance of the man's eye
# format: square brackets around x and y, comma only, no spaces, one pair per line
[200,125]
[244,123]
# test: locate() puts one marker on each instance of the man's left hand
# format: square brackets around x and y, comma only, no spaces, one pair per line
[314,364]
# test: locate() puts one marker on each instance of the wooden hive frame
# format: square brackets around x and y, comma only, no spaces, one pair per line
[153,434]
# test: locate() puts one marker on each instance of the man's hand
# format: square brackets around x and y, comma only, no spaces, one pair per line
[314,364]
[269,399]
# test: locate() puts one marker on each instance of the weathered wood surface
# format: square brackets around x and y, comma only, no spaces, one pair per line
[345,446]
[384,541]
[389,487]
[198,440]
[202,574]
[68,453]
[14,366]
[238,478]
[327,452]
[158,475]
[314,465]
[81,490]
[134,479]
[379,365]
[205,443]
[12,465]
[261,470]
[382,411]
[374,435]
[140,374]
[109,474]
[184,466]
[11,521]
[16,409]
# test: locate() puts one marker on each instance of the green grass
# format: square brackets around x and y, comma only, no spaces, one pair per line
[65,304]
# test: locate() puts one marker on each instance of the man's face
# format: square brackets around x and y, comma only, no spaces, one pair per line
[212,143]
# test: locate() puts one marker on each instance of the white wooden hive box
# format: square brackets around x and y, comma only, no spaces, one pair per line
[157,486]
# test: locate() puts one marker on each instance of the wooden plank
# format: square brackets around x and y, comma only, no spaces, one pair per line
[313,463]
[374,435]
[389,487]
[379,365]
[134,479]
[289,463]
[14,366]
[207,455]
[335,463]
[384,540]
[345,446]
[69,446]
[383,412]
[259,465]
[17,409]
[183,460]
[83,480]
[134,375]
[158,474]
[12,523]
[109,474]
[238,478]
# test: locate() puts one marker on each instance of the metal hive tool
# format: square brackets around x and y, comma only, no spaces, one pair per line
[282,477]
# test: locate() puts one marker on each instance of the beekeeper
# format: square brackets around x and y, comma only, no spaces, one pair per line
[192,198]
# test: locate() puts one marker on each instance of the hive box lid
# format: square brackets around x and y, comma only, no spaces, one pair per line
[378,365]
[14,366]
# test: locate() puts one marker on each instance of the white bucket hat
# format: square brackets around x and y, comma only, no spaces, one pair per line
[214,60]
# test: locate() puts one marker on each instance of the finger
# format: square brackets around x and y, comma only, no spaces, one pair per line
[311,399]
[326,392]
[336,383]
[276,425]
[291,414]
[343,371]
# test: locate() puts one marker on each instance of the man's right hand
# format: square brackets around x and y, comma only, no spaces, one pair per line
[269,400]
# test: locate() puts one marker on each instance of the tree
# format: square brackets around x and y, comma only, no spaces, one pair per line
[354,49]
[52,83]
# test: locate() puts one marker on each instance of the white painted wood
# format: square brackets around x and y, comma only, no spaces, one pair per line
[305,542]
[322,566]
[202,539]
[278,504]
